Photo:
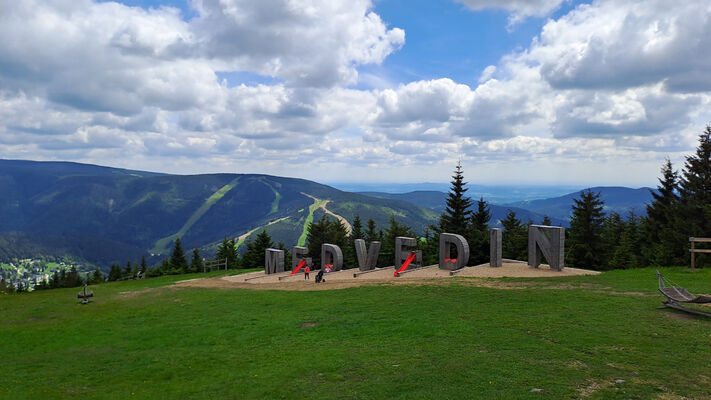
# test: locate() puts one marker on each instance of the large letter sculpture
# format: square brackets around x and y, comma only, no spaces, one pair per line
[546,241]
[446,240]
[273,261]
[402,250]
[367,260]
[495,248]
[298,260]
[332,253]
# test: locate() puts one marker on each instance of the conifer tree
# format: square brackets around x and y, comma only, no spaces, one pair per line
[227,250]
[178,261]
[357,232]
[254,256]
[96,277]
[610,235]
[585,247]
[478,237]
[144,265]
[326,230]
[196,262]
[514,243]
[666,241]
[455,218]
[371,233]
[127,270]
[626,254]
[546,221]
[114,273]
[695,188]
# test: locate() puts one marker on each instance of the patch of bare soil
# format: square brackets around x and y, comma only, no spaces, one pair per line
[431,275]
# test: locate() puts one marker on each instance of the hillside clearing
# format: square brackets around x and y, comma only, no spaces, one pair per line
[161,246]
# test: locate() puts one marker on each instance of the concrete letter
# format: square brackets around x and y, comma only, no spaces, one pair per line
[495,248]
[273,261]
[402,250]
[331,254]
[367,261]
[297,254]
[445,257]
[548,242]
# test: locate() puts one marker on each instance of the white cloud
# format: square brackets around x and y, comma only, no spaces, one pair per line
[307,43]
[87,81]
[519,9]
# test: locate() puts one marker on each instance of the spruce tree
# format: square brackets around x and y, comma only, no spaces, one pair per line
[114,274]
[196,262]
[127,270]
[546,221]
[326,230]
[357,232]
[144,265]
[254,256]
[178,261]
[585,247]
[478,237]
[695,189]
[514,243]
[611,233]
[227,250]
[371,233]
[455,218]
[96,277]
[666,242]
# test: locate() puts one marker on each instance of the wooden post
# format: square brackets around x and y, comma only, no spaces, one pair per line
[693,254]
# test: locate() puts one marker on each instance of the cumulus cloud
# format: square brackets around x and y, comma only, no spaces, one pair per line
[307,43]
[87,81]
[624,44]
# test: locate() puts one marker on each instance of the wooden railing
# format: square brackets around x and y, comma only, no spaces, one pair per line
[694,250]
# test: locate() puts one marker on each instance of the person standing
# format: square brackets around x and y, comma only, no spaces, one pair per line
[306,272]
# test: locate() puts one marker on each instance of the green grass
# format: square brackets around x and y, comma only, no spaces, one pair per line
[309,219]
[571,337]
[161,245]
[277,197]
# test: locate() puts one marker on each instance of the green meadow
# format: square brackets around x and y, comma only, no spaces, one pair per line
[595,337]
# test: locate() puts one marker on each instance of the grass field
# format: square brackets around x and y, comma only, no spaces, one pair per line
[571,337]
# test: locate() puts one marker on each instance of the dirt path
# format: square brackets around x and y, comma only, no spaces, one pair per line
[426,276]
[244,236]
[323,205]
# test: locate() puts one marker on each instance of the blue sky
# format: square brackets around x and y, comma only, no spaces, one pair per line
[522,92]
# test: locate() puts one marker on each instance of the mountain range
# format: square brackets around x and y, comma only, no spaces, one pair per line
[104,215]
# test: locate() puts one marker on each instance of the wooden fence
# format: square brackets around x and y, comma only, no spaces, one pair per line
[694,250]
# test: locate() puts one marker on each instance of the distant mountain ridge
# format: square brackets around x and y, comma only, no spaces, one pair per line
[105,215]
[437,200]
[621,200]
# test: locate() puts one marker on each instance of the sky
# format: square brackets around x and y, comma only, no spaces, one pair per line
[534,92]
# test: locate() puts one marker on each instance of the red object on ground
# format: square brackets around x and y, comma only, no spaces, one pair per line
[298,267]
[452,260]
[406,264]
[328,267]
